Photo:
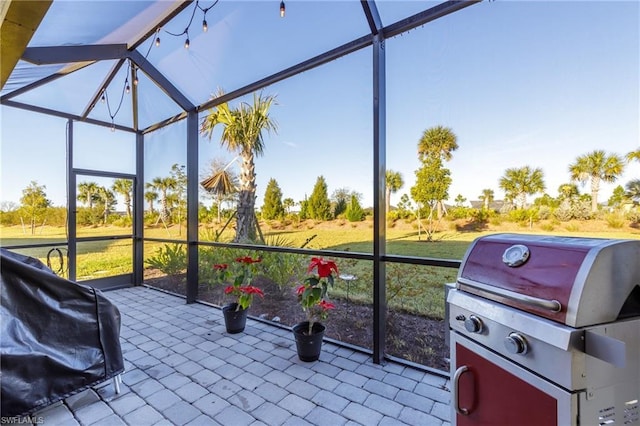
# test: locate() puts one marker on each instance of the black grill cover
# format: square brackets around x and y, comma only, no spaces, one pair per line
[58,337]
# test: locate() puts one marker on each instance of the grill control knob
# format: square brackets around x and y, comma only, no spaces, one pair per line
[516,343]
[473,324]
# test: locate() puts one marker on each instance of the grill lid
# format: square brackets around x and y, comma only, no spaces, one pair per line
[574,281]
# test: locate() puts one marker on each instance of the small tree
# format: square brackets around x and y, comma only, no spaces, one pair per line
[34,203]
[287,203]
[432,185]
[405,207]
[179,195]
[617,198]
[304,208]
[340,198]
[319,204]
[272,207]
[354,212]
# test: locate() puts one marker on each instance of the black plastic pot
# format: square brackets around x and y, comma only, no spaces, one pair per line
[235,321]
[308,345]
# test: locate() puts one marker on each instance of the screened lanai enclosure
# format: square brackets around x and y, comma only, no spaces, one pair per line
[121,166]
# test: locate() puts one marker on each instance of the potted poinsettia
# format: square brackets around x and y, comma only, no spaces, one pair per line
[241,289]
[312,295]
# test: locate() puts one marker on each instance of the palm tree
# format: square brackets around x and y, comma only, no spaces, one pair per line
[633,190]
[107,201]
[596,166]
[87,193]
[287,203]
[164,185]
[242,132]
[568,191]
[150,197]
[517,183]
[221,183]
[124,187]
[487,198]
[393,183]
[633,155]
[438,141]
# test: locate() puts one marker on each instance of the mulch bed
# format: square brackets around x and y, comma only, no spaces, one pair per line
[411,337]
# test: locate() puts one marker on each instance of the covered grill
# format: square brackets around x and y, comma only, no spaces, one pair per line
[545,330]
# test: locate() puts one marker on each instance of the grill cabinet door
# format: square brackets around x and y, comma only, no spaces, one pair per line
[494,391]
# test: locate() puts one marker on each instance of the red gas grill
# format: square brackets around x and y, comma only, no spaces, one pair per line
[546,331]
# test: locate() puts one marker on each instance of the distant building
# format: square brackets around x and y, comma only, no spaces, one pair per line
[495,205]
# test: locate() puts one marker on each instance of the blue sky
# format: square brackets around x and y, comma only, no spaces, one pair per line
[520,83]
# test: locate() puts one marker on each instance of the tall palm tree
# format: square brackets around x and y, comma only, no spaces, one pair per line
[633,156]
[124,187]
[164,185]
[88,193]
[517,183]
[106,200]
[487,198]
[242,132]
[596,166]
[393,183]
[633,190]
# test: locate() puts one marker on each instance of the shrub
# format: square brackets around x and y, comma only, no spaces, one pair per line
[171,259]
[563,213]
[581,210]
[633,215]
[523,216]
[284,269]
[496,220]
[544,212]
[572,227]
[615,220]
[547,227]
[460,213]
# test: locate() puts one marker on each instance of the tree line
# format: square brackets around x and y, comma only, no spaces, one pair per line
[242,134]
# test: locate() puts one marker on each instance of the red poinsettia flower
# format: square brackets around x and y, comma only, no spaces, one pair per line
[220,266]
[248,260]
[300,289]
[229,289]
[252,290]
[326,305]
[325,267]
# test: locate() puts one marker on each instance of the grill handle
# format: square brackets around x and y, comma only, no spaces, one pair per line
[454,391]
[536,302]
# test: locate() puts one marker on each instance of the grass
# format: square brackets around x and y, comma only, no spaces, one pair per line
[411,288]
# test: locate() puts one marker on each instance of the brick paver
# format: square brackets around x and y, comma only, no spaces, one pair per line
[183,368]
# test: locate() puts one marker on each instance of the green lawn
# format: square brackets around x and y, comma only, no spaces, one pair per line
[413,288]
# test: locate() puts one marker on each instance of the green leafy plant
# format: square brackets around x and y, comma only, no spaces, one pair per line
[241,288]
[312,293]
[282,268]
[171,259]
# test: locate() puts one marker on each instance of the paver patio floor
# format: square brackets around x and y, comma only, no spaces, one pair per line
[183,368]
